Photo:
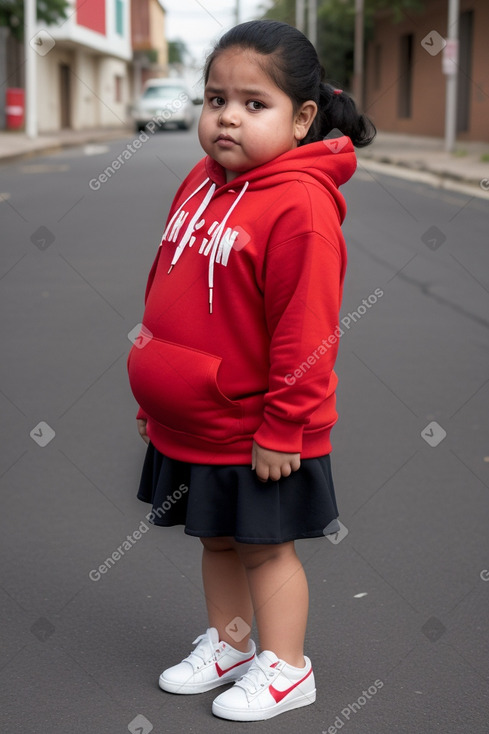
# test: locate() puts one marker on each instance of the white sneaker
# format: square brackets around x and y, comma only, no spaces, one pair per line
[268,688]
[213,663]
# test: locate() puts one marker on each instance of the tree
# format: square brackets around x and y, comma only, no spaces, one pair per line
[177,52]
[12,22]
[283,10]
[49,12]
[336,23]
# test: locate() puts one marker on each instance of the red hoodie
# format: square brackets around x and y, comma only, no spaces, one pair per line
[242,310]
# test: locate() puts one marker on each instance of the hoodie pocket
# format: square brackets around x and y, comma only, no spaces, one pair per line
[177,387]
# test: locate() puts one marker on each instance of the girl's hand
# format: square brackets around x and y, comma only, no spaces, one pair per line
[273,464]
[142,429]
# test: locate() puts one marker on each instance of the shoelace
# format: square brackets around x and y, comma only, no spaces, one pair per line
[256,677]
[204,651]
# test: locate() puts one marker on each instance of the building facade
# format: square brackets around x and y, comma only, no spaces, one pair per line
[150,47]
[405,86]
[83,79]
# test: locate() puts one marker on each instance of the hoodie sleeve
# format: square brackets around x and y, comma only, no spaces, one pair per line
[303,290]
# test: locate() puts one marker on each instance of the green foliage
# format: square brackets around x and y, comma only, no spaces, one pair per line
[49,12]
[177,52]
[336,22]
[336,29]
[283,10]
[400,9]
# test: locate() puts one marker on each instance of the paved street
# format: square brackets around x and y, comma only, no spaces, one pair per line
[398,630]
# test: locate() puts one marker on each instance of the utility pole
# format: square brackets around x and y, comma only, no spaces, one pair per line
[237,12]
[300,11]
[30,69]
[4,34]
[358,54]
[312,22]
[451,74]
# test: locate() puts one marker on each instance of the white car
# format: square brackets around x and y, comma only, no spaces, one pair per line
[164,102]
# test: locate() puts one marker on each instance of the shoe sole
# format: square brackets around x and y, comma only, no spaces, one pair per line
[262,714]
[192,688]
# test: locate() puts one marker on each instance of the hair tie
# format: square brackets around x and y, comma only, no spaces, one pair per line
[337,91]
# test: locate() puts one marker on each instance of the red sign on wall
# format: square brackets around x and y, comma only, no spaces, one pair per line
[91,14]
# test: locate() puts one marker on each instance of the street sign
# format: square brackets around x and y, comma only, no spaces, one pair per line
[450,57]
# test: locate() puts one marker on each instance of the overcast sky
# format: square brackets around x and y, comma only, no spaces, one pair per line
[199,22]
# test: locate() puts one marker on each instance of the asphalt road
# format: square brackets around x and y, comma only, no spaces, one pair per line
[399,629]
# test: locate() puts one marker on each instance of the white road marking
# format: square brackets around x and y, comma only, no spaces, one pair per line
[95,149]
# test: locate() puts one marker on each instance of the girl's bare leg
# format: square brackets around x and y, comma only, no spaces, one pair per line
[280,597]
[226,590]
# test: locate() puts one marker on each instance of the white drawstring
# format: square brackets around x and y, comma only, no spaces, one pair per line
[216,244]
[172,220]
[191,226]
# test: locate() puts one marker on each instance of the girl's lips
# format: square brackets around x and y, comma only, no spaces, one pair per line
[226,141]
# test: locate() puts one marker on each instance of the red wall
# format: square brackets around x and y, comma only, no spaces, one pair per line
[91,14]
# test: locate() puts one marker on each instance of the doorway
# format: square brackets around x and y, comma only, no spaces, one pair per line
[65,95]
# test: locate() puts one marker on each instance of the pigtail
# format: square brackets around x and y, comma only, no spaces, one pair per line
[337,111]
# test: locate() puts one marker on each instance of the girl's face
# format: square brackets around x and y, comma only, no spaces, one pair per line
[246,119]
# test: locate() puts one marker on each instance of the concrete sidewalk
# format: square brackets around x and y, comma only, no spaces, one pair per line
[424,157]
[468,165]
[14,145]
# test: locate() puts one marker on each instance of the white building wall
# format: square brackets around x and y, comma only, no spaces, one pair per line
[85,85]
[113,113]
[48,88]
[95,60]
[111,44]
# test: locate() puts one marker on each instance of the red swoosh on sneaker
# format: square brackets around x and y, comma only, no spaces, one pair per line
[221,672]
[279,695]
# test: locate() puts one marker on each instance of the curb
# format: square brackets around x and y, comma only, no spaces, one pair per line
[55,147]
[439,180]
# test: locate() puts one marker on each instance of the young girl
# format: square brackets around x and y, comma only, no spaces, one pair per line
[234,377]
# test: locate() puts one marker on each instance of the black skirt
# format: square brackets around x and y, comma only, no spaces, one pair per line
[212,500]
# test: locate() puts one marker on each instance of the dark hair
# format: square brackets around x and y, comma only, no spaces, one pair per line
[295,68]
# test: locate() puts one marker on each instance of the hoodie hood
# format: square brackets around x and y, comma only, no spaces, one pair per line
[329,163]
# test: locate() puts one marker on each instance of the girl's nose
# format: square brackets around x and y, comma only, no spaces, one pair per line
[229,116]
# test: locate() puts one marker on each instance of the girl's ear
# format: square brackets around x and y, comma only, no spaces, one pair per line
[304,118]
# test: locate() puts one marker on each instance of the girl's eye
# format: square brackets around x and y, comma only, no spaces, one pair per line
[217,101]
[255,105]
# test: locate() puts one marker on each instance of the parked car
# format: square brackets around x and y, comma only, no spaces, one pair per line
[165,102]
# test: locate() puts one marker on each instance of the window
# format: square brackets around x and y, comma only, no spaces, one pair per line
[404,99]
[377,66]
[119,17]
[118,84]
